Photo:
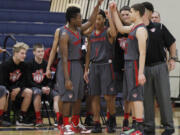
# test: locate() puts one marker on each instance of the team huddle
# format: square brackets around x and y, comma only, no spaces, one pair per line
[127,56]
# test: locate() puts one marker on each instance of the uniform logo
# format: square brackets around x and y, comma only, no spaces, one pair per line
[111,89]
[38,76]
[135,95]
[153,29]
[123,44]
[70,96]
[14,76]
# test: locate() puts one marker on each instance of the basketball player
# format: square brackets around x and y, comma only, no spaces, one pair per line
[101,75]
[135,52]
[52,57]
[69,78]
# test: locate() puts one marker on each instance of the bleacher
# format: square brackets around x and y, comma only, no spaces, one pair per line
[28,21]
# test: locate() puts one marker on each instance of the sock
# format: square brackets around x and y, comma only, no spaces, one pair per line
[139,120]
[108,115]
[38,115]
[66,121]
[1,112]
[75,119]
[57,116]
[126,116]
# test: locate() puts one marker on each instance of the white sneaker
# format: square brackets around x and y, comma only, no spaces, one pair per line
[67,130]
[83,129]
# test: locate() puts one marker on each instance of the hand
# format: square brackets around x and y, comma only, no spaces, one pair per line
[48,73]
[107,13]
[68,85]
[100,2]
[46,90]
[86,78]
[171,64]
[112,6]
[141,79]
[2,50]
[14,93]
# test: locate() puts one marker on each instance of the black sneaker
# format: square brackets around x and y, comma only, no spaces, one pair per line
[23,121]
[168,132]
[140,127]
[89,121]
[149,130]
[134,124]
[97,128]
[60,122]
[111,124]
[125,125]
[4,123]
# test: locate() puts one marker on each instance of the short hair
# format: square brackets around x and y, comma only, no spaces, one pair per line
[139,7]
[37,45]
[18,46]
[101,12]
[157,13]
[148,6]
[126,8]
[72,12]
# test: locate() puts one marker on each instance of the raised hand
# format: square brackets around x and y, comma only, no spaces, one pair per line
[112,6]
[107,14]
[100,2]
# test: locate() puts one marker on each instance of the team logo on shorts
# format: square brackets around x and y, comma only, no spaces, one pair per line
[135,95]
[14,76]
[111,89]
[38,76]
[70,96]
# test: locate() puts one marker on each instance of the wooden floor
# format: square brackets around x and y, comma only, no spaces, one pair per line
[54,131]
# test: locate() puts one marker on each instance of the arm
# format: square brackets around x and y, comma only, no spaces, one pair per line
[141,35]
[64,53]
[92,18]
[87,63]
[172,51]
[53,53]
[122,29]
[89,31]
[112,33]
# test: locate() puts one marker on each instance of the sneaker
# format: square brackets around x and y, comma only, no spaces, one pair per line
[39,123]
[67,130]
[111,124]
[125,125]
[4,123]
[168,132]
[60,122]
[74,128]
[134,124]
[83,129]
[97,128]
[55,123]
[89,121]
[22,121]
[128,132]
[137,132]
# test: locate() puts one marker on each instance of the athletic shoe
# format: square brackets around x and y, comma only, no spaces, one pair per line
[97,128]
[111,124]
[168,132]
[67,130]
[22,121]
[89,121]
[83,129]
[125,125]
[39,123]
